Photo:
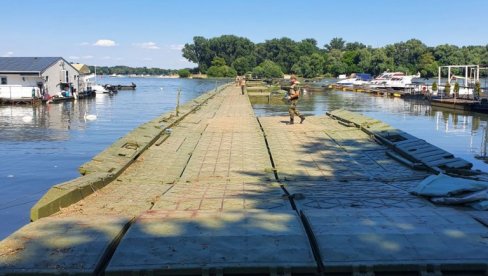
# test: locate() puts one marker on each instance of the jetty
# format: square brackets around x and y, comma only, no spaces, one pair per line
[211,189]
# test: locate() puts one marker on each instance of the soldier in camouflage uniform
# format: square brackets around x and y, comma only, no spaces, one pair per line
[293,95]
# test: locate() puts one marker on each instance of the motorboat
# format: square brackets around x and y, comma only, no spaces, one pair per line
[355,79]
[393,80]
[99,89]
[93,86]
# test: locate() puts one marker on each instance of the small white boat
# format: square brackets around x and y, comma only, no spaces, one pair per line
[99,89]
[355,79]
[93,86]
[393,80]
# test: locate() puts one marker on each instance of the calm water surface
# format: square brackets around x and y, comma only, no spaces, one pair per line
[461,133]
[49,149]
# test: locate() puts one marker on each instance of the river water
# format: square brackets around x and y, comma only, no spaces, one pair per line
[462,133]
[49,149]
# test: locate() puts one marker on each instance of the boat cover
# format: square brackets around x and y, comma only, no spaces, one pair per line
[445,189]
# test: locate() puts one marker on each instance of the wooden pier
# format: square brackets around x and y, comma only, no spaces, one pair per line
[217,191]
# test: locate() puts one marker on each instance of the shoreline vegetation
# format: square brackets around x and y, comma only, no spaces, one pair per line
[305,58]
[229,55]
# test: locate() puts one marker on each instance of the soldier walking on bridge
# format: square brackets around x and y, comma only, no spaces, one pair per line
[242,82]
[293,96]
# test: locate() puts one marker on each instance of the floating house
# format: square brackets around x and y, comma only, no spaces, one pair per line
[84,76]
[27,78]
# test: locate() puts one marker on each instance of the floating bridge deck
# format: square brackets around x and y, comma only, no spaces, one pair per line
[218,191]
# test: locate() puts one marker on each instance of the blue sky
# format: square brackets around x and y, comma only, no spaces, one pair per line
[151,33]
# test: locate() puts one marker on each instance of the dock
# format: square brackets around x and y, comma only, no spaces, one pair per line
[408,92]
[216,190]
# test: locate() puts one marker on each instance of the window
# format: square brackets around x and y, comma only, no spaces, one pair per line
[3,80]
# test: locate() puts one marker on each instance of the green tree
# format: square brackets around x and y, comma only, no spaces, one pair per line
[365,60]
[339,57]
[199,52]
[309,66]
[244,64]
[267,69]
[284,52]
[184,73]
[448,55]
[336,43]
[427,65]
[307,47]
[352,46]
[380,62]
[218,61]
[229,47]
[219,69]
[351,59]
[334,63]
[406,55]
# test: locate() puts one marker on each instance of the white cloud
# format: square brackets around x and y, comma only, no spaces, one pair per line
[87,57]
[73,57]
[84,43]
[105,43]
[147,45]
[177,47]
[8,54]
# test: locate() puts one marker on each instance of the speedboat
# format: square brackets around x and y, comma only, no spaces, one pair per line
[93,86]
[393,80]
[355,79]
[99,89]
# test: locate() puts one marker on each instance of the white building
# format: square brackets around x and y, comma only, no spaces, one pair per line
[83,77]
[35,77]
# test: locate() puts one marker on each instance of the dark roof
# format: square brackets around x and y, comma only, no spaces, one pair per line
[26,64]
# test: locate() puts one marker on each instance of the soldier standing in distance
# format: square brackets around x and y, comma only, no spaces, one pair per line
[243,84]
[293,95]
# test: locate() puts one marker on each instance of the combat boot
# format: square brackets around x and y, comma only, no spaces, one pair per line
[302,118]
[291,122]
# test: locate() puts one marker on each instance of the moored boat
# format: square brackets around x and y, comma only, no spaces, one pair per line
[355,79]
[393,80]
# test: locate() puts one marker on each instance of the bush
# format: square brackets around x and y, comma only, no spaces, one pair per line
[267,69]
[223,71]
[184,73]
[477,89]
[244,64]
[447,88]
[434,86]
[456,89]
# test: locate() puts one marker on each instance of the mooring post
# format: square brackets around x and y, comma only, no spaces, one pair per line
[178,102]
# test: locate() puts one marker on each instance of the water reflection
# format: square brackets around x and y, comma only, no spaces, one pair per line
[459,132]
[44,145]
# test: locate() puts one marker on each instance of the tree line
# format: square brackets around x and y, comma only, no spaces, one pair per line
[127,70]
[229,55]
